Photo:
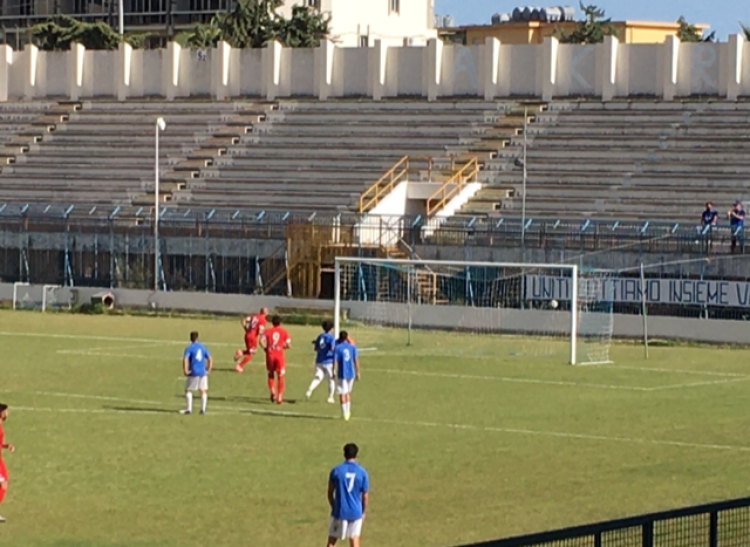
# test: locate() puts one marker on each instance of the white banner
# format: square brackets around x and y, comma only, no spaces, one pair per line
[628,290]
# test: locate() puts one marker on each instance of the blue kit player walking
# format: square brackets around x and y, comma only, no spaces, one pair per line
[346,361]
[196,365]
[323,347]
[348,496]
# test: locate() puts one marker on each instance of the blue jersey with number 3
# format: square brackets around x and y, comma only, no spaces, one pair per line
[344,355]
[349,481]
[196,354]
[324,345]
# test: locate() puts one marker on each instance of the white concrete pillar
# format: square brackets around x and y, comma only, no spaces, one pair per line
[491,67]
[75,71]
[123,70]
[171,72]
[549,68]
[377,69]
[32,87]
[324,58]
[433,68]
[272,70]
[6,61]
[221,65]
[670,67]
[736,47]
[609,51]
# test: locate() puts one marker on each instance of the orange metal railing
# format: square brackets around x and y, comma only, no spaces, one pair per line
[383,186]
[451,187]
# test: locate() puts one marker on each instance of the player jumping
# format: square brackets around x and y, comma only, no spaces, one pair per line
[3,446]
[346,361]
[196,365]
[323,346]
[253,325]
[275,341]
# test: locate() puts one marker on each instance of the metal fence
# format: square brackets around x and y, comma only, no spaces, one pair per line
[723,524]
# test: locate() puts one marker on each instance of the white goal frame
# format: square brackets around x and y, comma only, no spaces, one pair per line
[45,289]
[572,268]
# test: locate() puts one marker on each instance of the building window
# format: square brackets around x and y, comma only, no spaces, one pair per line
[364,41]
[394,6]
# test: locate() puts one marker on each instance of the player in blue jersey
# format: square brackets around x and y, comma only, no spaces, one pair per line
[196,365]
[348,496]
[346,361]
[323,347]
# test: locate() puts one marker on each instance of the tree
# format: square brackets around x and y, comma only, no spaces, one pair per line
[745,30]
[690,33]
[254,23]
[60,32]
[591,30]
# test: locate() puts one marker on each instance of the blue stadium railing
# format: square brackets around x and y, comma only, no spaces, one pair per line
[722,524]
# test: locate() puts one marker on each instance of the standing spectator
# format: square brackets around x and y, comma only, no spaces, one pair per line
[737,224]
[709,216]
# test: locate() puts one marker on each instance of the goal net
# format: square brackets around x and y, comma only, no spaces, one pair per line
[540,310]
[27,296]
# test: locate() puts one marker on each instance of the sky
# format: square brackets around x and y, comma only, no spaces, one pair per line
[721,15]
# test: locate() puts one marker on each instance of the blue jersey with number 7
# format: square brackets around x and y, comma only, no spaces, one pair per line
[344,356]
[349,481]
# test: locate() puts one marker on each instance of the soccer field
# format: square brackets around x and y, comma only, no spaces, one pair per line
[463,440]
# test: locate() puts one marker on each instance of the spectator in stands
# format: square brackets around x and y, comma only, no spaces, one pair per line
[709,216]
[737,223]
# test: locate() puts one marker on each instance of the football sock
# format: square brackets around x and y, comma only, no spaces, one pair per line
[189,401]
[348,407]
[331,388]
[343,409]
[314,384]
[245,360]
[280,394]
[204,401]
[270,385]
[2,494]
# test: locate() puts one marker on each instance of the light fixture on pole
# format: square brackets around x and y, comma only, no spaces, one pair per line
[161,125]
[121,17]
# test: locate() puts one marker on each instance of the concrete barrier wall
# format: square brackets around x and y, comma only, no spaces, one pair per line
[490,71]
[432,317]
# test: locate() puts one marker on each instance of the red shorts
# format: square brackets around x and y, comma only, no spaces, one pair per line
[3,472]
[251,342]
[275,364]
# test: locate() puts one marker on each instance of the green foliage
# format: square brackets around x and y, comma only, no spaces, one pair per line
[591,30]
[254,23]
[690,33]
[60,32]
[745,30]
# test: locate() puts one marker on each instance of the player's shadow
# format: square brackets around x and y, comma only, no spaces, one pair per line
[246,399]
[143,410]
[216,369]
[281,414]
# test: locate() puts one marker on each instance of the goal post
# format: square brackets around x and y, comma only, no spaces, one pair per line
[544,308]
[29,296]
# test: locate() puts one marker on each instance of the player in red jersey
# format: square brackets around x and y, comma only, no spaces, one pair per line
[3,446]
[275,341]
[253,325]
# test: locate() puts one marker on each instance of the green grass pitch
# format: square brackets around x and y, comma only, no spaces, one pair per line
[463,440]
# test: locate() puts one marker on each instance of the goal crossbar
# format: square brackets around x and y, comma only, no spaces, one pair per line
[572,268]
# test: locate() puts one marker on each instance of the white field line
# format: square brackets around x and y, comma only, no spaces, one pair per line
[151,342]
[466,427]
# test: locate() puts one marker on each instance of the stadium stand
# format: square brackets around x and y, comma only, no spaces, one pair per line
[625,160]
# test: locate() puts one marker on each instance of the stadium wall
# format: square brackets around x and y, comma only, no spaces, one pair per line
[423,316]
[488,71]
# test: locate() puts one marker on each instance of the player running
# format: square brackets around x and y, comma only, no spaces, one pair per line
[275,341]
[323,346]
[253,325]
[348,496]
[346,361]
[3,446]
[196,365]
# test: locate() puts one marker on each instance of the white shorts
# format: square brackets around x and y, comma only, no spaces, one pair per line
[344,386]
[345,529]
[327,370]
[196,383]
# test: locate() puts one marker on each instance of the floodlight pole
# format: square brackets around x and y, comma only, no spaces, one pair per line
[121,17]
[160,125]
[525,175]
